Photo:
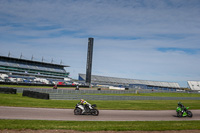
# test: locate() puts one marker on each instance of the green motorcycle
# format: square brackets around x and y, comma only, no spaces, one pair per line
[183,112]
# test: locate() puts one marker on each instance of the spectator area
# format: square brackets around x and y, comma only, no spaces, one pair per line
[23,67]
[130,82]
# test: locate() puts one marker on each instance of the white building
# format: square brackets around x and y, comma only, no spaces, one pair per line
[194,85]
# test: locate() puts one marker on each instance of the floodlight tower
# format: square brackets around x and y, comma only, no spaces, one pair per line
[89,61]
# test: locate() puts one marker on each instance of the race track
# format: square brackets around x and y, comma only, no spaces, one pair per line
[105,115]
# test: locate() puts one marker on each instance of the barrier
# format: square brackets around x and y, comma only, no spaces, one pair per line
[34,84]
[35,94]
[8,90]
[63,94]
[110,97]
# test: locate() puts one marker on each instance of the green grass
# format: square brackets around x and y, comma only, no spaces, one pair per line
[19,101]
[100,125]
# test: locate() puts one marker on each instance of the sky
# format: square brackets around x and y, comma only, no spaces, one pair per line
[157,40]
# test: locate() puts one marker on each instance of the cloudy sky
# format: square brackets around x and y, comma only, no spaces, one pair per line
[155,40]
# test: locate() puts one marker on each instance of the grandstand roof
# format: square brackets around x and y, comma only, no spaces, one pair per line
[114,80]
[32,61]
[194,85]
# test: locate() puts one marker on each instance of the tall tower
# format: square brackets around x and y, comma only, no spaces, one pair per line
[89,61]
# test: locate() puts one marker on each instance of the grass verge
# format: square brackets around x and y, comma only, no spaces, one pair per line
[100,126]
[18,100]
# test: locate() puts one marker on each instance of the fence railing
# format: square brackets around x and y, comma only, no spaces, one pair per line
[63,91]
[63,94]
[111,97]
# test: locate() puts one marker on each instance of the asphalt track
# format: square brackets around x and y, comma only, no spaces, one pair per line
[105,115]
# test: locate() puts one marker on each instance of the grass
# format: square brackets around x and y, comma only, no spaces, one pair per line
[18,100]
[100,125]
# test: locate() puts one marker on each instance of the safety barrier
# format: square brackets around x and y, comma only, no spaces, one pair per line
[63,94]
[98,91]
[110,97]
[35,84]
[8,90]
[35,94]
[65,91]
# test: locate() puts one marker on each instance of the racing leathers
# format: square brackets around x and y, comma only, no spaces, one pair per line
[85,105]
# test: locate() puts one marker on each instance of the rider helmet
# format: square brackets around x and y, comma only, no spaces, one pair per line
[82,101]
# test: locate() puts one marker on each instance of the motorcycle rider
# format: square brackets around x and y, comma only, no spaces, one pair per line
[85,105]
[181,106]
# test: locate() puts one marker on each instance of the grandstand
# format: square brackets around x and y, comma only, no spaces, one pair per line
[131,83]
[16,67]
[194,85]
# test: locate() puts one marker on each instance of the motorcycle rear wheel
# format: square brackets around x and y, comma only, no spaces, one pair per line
[189,113]
[95,112]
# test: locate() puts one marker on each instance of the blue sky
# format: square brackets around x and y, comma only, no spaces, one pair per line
[155,40]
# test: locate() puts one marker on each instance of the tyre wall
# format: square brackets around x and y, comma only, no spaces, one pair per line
[34,94]
[8,90]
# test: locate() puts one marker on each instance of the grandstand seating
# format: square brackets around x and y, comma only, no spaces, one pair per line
[127,82]
[25,67]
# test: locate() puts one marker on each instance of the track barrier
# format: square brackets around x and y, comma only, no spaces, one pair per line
[35,94]
[8,90]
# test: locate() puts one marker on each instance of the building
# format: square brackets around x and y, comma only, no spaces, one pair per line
[132,83]
[16,67]
[194,85]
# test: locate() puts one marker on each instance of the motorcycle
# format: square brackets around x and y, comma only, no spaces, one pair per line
[89,110]
[183,112]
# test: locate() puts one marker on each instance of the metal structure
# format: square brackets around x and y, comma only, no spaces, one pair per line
[17,67]
[89,61]
[127,82]
[63,94]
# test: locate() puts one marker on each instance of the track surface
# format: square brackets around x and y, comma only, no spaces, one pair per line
[105,115]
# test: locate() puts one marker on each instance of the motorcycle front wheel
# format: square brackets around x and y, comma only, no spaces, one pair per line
[77,111]
[95,112]
[189,113]
[179,114]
